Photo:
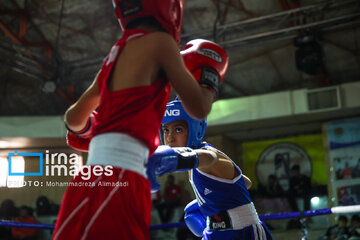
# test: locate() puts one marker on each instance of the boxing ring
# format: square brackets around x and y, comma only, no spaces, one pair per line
[274,216]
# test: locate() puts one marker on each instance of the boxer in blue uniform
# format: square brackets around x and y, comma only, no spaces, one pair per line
[223,208]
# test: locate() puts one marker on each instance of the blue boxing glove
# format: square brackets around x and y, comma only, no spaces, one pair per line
[195,220]
[167,160]
[150,172]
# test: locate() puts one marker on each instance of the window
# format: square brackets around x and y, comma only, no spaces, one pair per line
[17,166]
[3,171]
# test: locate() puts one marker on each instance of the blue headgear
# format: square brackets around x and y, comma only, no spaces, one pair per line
[175,111]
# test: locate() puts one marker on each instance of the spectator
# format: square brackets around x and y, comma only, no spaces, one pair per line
[347,172]
[8,211]
[354,230]
[346,198]
[300,187]
[274,188]
[356,170]
[156,198]
[172,198]
[25,216]
[338,231]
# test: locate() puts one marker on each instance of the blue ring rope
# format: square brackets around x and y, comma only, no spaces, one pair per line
[273,216]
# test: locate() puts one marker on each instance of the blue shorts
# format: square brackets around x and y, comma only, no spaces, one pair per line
[253,232]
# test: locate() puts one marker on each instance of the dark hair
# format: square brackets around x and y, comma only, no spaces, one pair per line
[342,218]
[295,167]
[272,176]
[8,209]
[145,21]
[355,218]
[24,207]
[28,209]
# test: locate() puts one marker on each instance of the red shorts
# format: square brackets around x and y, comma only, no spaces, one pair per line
[106,207]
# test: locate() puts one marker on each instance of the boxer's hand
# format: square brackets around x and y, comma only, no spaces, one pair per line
[207,61]
[80,140]
[167,160]
[78,143]
[150,172]
[86,131]
[195,220]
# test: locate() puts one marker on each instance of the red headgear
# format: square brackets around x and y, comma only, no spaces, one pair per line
[168,13]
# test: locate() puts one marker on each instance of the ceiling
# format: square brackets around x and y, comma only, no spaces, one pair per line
[50,50]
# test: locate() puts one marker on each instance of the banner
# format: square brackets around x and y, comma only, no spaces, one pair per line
[263,158]
[344,133]
[344,153]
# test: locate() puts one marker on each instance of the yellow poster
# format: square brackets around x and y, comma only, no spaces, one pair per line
[262,158]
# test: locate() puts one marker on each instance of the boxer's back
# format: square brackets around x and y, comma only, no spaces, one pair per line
[137,64]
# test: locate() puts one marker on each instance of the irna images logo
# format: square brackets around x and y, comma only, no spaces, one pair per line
[59,164]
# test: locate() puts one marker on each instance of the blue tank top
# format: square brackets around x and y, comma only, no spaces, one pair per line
[216,194]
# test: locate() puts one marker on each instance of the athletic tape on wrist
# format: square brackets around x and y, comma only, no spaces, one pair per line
[82,131]
[187,159]
[210,78]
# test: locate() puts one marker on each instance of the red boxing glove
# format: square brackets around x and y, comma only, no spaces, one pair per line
[80,140]
[207,61]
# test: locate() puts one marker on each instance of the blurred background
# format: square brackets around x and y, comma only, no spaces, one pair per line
[289,104]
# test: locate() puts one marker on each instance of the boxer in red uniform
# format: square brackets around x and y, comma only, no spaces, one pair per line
[130,93]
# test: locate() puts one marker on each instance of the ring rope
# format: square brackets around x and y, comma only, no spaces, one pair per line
[272,216]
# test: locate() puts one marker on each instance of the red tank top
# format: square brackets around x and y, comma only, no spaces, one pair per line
[136,111]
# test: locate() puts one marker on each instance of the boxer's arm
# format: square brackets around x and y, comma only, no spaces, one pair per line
[223,167]
[77,116]
[194,219]
[167,160]
[207,158]
[247,182]
[196,100]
